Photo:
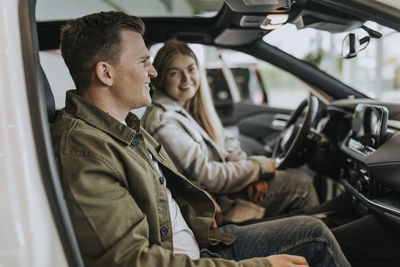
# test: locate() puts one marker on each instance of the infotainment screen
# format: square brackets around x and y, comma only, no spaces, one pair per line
[370,124]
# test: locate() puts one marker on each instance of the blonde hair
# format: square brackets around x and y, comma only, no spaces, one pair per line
[201,106]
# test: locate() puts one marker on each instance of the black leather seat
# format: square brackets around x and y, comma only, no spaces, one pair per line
[50,102]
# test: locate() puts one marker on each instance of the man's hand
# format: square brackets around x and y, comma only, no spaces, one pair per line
[285,260]
[218,213]
[257,191]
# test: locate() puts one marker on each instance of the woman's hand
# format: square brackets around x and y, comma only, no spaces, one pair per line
[257,191]
[286,260]
[218,212]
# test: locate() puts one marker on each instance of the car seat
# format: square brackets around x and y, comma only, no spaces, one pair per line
[55,195]
[50,102]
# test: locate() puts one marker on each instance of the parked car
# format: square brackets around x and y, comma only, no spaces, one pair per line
[320,111]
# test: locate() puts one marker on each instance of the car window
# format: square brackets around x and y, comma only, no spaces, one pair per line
[57,74]
[283,89]
[258,82]
[219,86]
[375,71]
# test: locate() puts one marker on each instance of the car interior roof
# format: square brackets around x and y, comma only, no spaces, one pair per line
[321,14]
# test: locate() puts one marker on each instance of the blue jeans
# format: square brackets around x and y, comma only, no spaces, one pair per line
[300,235]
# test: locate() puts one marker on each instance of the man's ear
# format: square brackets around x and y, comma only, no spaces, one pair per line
[104,73]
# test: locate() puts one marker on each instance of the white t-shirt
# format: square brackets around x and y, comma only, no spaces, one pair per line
[183,238]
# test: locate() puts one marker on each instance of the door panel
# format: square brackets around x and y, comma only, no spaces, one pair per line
[258,125]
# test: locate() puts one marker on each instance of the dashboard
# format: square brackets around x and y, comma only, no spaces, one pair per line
[366,135]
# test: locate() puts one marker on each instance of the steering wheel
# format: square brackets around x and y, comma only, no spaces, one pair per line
[293,139]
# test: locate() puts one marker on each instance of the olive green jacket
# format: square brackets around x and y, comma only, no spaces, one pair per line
[116,199]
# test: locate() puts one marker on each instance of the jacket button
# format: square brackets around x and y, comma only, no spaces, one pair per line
[162,180]
[135,142]
[164,231]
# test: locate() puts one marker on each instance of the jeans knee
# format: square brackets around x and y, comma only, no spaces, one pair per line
[315,226]
[320,230]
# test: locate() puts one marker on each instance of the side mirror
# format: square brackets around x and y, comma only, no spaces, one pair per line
[350,46]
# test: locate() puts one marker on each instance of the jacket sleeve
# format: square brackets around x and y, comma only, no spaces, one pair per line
[111,228]
[232,145]
[191,156]
[235,153]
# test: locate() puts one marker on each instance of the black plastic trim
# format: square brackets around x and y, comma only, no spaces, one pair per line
[37,110]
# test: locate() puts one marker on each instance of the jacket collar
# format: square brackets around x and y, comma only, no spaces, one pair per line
[167,103]
[84,110]
[162,100]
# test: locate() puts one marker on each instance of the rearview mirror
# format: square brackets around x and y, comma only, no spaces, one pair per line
[350,46]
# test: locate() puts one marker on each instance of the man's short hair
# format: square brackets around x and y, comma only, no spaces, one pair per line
[93,38]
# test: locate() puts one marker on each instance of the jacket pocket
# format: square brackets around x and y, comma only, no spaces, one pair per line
[216,238]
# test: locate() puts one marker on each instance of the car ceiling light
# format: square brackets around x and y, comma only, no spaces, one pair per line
[273,21]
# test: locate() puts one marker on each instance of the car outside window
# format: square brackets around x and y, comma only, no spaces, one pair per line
[256,82]
[57,74]
[375,71]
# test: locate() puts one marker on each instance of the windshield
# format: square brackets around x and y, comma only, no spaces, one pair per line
[375,71]
[49,10]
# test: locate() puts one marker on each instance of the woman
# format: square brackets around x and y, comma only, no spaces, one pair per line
[183,119]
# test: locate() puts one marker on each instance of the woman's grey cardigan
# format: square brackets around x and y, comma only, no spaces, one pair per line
[195,154]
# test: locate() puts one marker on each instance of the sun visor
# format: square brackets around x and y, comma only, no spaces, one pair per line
[257,6]
[326,22]
[238,36]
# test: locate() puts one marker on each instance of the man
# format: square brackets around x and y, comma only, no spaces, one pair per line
[128,203]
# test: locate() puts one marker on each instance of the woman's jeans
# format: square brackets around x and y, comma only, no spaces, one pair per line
[300,235]
[288,191]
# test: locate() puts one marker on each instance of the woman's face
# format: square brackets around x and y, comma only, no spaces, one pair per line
[182,78]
